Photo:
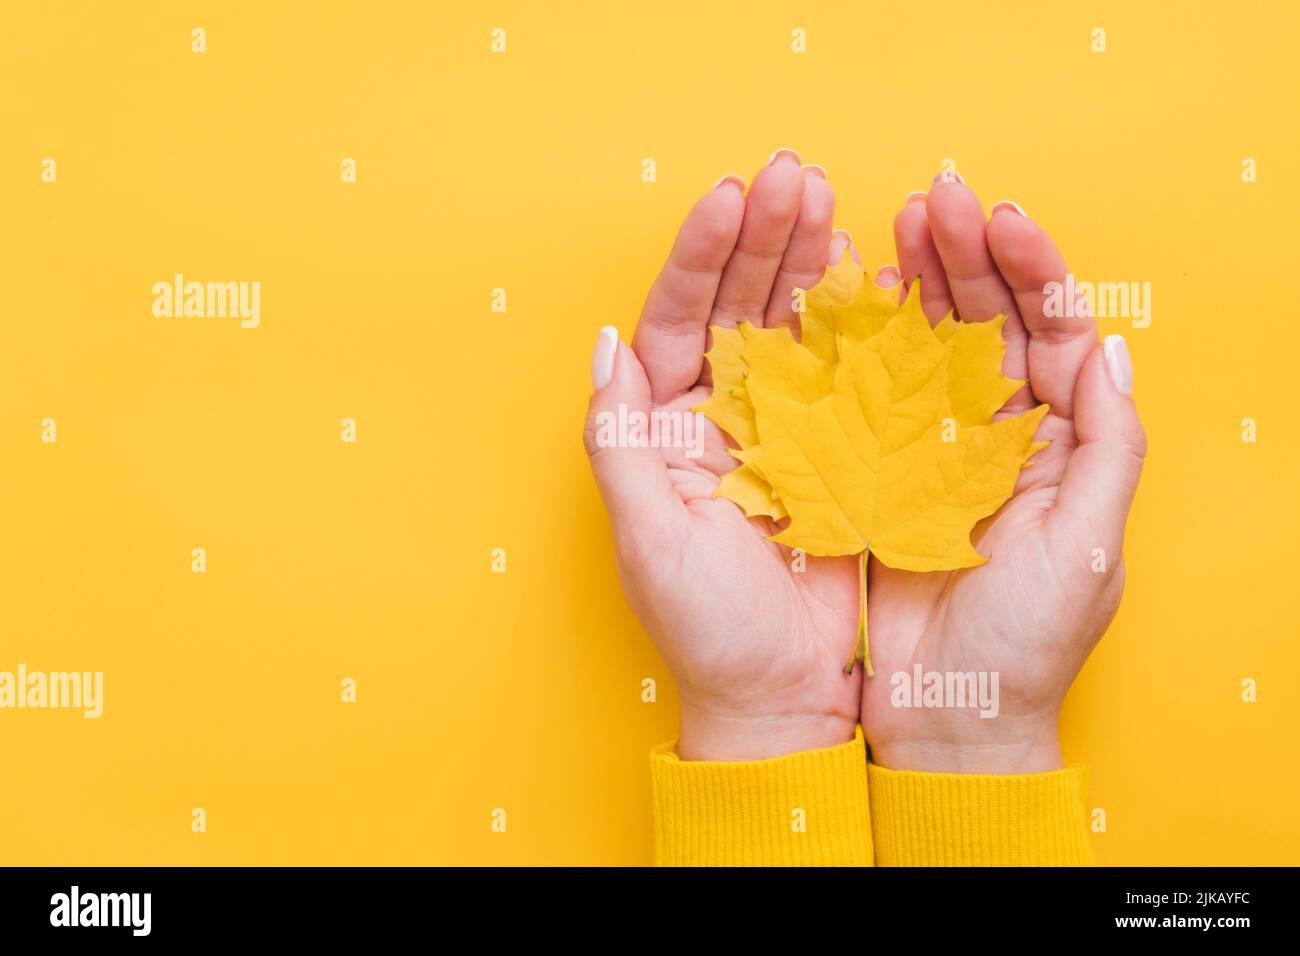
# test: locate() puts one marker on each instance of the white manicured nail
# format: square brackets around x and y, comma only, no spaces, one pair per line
[1008,204]
[915,194]
[783,151]
[731,178]
[888,276]
[1118,364]
[602,362]
[842,242]
[816,170]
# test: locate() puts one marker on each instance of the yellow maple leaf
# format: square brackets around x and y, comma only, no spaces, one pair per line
[873,434]
[749,487]
[843,303]
[724,408]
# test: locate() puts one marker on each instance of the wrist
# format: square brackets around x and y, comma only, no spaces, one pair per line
[1018,747]
[717,735]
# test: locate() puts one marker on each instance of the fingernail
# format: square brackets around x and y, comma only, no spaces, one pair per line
[1118,364]
[888,276]
[915,194]
[842,242]
[730,178]
[949,175]
[1008,204]
[816,170]
[602,362]
[778,154]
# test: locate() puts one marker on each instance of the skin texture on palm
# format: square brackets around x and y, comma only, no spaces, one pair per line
[755,645]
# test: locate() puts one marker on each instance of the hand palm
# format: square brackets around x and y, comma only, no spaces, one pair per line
[1011,616]
[740,612]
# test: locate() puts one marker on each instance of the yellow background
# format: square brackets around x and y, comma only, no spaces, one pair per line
[522,171]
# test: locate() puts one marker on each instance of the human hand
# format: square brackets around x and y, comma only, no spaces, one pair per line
[756,647]
[1055,573]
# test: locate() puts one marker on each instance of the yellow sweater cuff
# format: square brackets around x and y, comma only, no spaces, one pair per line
[952,819]
[803,809]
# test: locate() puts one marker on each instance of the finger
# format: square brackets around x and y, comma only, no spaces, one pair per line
[957,224]
[1102,472]
[917,256]
[978,290]
[805,256]
[771,210]
[669,339]
[644,510]
[1060,342]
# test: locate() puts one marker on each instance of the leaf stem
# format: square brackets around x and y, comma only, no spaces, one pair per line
[863,651]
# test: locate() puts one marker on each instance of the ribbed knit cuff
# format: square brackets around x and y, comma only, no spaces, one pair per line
[956,819]
[803,809]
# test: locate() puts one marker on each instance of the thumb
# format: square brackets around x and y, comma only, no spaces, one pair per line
[1102,473]
[632,477]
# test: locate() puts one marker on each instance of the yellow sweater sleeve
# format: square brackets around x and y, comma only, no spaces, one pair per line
[803,809]
[831,808]
[956,819]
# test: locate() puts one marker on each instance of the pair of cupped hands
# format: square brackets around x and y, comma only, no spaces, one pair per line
[755,639]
